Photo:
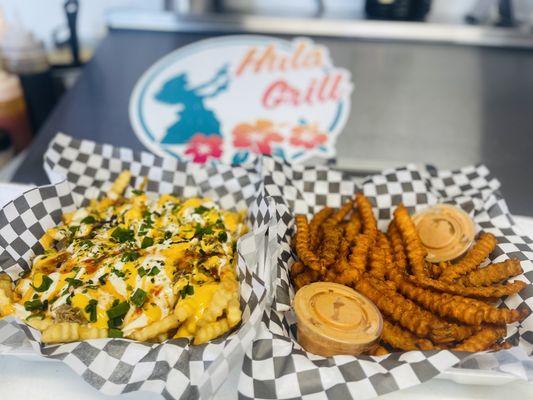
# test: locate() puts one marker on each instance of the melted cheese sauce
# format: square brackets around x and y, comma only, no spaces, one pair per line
[166,249]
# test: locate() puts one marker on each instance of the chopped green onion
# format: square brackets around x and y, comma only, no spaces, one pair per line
[88,220]
[45,284]
[73,282]
[200,230]
[201,210]
[147,242]
[91,310]
[102,279]
[36,305]
[114,333]
[222,237]
[138,298]
[119,310]
[118,273]
[122,235]
[129,256]
[188,290]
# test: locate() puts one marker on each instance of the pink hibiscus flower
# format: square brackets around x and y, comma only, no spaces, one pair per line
[307,136]
[256,137]
[202,147]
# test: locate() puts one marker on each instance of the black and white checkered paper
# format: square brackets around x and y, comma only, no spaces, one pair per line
[275,366]
[82,170]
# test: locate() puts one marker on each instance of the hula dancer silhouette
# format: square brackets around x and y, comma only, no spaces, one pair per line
[194,117]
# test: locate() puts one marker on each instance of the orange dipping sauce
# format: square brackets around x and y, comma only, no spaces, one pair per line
[334,319]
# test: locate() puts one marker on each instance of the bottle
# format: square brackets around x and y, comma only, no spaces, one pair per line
[13,116]
[25,56]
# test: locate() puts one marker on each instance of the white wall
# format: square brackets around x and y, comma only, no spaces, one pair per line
[43,16]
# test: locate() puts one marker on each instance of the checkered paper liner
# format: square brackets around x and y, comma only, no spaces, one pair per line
[175,369]
[275,366]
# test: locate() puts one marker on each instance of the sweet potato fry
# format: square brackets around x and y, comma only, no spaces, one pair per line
[315,224]
[303,250]
[416,253]
[352,227]
[398,249]
[341,213]
[397,308]
[462,309]
[297,268]
[483,340]
[506,289]
[493,273]
[305,278]
[330,245]
[370,226]
[378,350]
[401,339]
[356,264]
[477,254]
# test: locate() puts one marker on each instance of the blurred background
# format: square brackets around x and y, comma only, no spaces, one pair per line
[446,82]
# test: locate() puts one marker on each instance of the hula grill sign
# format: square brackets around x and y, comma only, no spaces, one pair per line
[229,97]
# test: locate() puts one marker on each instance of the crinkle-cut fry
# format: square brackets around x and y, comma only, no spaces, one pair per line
[451,332]
[475,256]
[120,184]
[416,253]
[397,308]
[385,244]
[443,331]
[342,259]
[183,310]
[302,245]
[40,324]
[398,249]
[227,290]
[48,263]
[501,346]
[156,328]
[435,270]
[297,268]
[369,223]
[380,257]
[506,289]
[377,262]
[402,339]
[233,312]
[356,265]
[482,340]
[159,338]
[316,222]
[341,213]
[86,333]
[378,350]
[6,305]
[6,285]
[493,273]
[61,333]
[330,245]
[352,227]
[462,309]
[305,278]
[211,331]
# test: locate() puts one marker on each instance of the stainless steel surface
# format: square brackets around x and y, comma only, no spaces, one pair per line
[371,30]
